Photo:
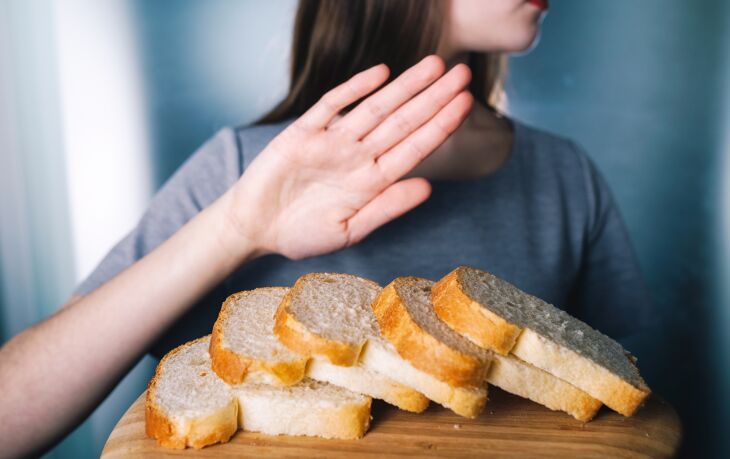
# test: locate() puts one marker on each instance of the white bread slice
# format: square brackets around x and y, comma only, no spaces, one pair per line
[407,320]
[358,378]
[520,378]
[464,401]
[497,315]
[188,405]
[326,316]
[309,407]
[243,346]
[443,365]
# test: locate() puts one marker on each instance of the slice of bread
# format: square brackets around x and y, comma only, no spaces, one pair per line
[415,346]
[243,346]
[497,315]
[327,317]
[464,401]
[407,320]
[188,405]
[309,407]
[326,314]
[520,378]
[358,378]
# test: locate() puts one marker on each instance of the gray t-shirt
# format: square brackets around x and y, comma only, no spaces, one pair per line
[546,221]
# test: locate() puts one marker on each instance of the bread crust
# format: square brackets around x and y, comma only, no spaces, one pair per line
[357,421]
[467,402]
[583,373]
[469,318]
[295,335]
[233,368]
[346,422]
[216,427]
[420,348]
[520,378]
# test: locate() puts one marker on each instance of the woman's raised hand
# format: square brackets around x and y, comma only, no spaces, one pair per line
[325,182]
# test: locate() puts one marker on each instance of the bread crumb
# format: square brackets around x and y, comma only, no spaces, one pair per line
[204,373]
[457,426]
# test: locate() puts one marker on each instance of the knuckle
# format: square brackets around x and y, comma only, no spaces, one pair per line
[438,98]
[352,237]
[340,129]
[371,147]
[375,110]
[328,101]
[402,122]
[352,89]
[385,175]
[414,149]
[444,130]
[406,85]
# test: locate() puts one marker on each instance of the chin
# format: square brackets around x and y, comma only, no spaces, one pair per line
[519,38]
[523,41]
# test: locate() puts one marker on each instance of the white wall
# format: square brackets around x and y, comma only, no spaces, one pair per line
[103,119]
[107,158]
[74,172]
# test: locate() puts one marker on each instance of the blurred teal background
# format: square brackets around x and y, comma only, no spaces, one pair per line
[101,101]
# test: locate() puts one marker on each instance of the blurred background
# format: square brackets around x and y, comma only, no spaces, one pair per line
[100,101]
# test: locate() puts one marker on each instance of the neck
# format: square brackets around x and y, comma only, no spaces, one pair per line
[478,147]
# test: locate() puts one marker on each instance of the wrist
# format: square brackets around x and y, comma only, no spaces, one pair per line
[242,246]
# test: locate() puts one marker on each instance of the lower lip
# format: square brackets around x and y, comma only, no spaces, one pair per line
[541,4]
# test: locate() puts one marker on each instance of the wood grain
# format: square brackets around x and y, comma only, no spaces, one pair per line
[509,427]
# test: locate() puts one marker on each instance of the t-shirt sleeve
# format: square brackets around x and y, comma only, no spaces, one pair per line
[202,178]
[610,291]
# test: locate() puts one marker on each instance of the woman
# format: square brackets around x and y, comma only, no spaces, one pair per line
[378,170]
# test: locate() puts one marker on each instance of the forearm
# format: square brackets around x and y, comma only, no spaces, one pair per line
[53,374]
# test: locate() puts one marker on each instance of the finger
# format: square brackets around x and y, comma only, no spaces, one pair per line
[417,111]
[402,158]
[390,204]
[339,97]
[373,110]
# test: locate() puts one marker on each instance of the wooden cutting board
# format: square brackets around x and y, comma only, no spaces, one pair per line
[509,427]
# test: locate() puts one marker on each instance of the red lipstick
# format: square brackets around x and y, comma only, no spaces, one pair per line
[541,4]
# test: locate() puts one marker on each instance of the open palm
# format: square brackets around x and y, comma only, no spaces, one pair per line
[326,181]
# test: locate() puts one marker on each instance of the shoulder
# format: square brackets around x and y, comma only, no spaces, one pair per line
[252,139]
[217,158]
[556,158]
[560,166]
[549,149]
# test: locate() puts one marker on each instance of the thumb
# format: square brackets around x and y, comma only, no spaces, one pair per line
[390,204]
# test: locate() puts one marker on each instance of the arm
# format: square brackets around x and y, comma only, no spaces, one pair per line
[333,179]
[56,372]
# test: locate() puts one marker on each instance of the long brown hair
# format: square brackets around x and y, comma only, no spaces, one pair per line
[335,39]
